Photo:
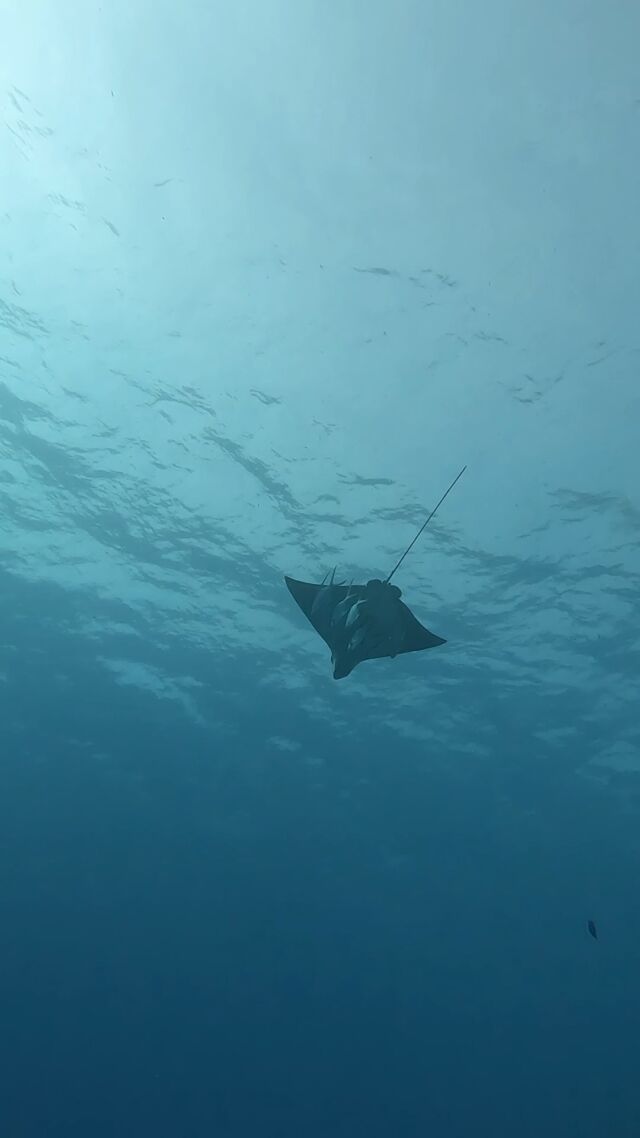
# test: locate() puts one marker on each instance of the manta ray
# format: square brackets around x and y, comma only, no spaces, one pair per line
[364,622]
[360,622]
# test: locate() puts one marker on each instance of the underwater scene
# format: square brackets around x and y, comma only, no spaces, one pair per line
[319,569]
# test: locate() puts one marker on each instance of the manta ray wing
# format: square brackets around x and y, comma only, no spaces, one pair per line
[415,636]
[306,596]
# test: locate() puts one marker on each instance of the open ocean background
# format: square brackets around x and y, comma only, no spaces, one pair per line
[271,272]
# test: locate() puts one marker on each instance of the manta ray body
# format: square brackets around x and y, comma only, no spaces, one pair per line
[360,622]
[364,622]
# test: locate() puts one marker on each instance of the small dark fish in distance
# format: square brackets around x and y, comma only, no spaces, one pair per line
[591,925]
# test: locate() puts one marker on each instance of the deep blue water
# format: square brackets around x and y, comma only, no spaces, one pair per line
[270,274]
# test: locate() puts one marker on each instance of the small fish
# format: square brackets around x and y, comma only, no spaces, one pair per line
[591,925]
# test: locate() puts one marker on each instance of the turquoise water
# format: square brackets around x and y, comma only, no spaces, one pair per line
[271,273]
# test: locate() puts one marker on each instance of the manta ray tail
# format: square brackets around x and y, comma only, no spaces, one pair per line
[425,524]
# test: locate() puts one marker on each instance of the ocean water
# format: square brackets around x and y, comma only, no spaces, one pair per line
[271,273]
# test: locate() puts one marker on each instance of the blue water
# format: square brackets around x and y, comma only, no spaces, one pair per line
[270,274]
